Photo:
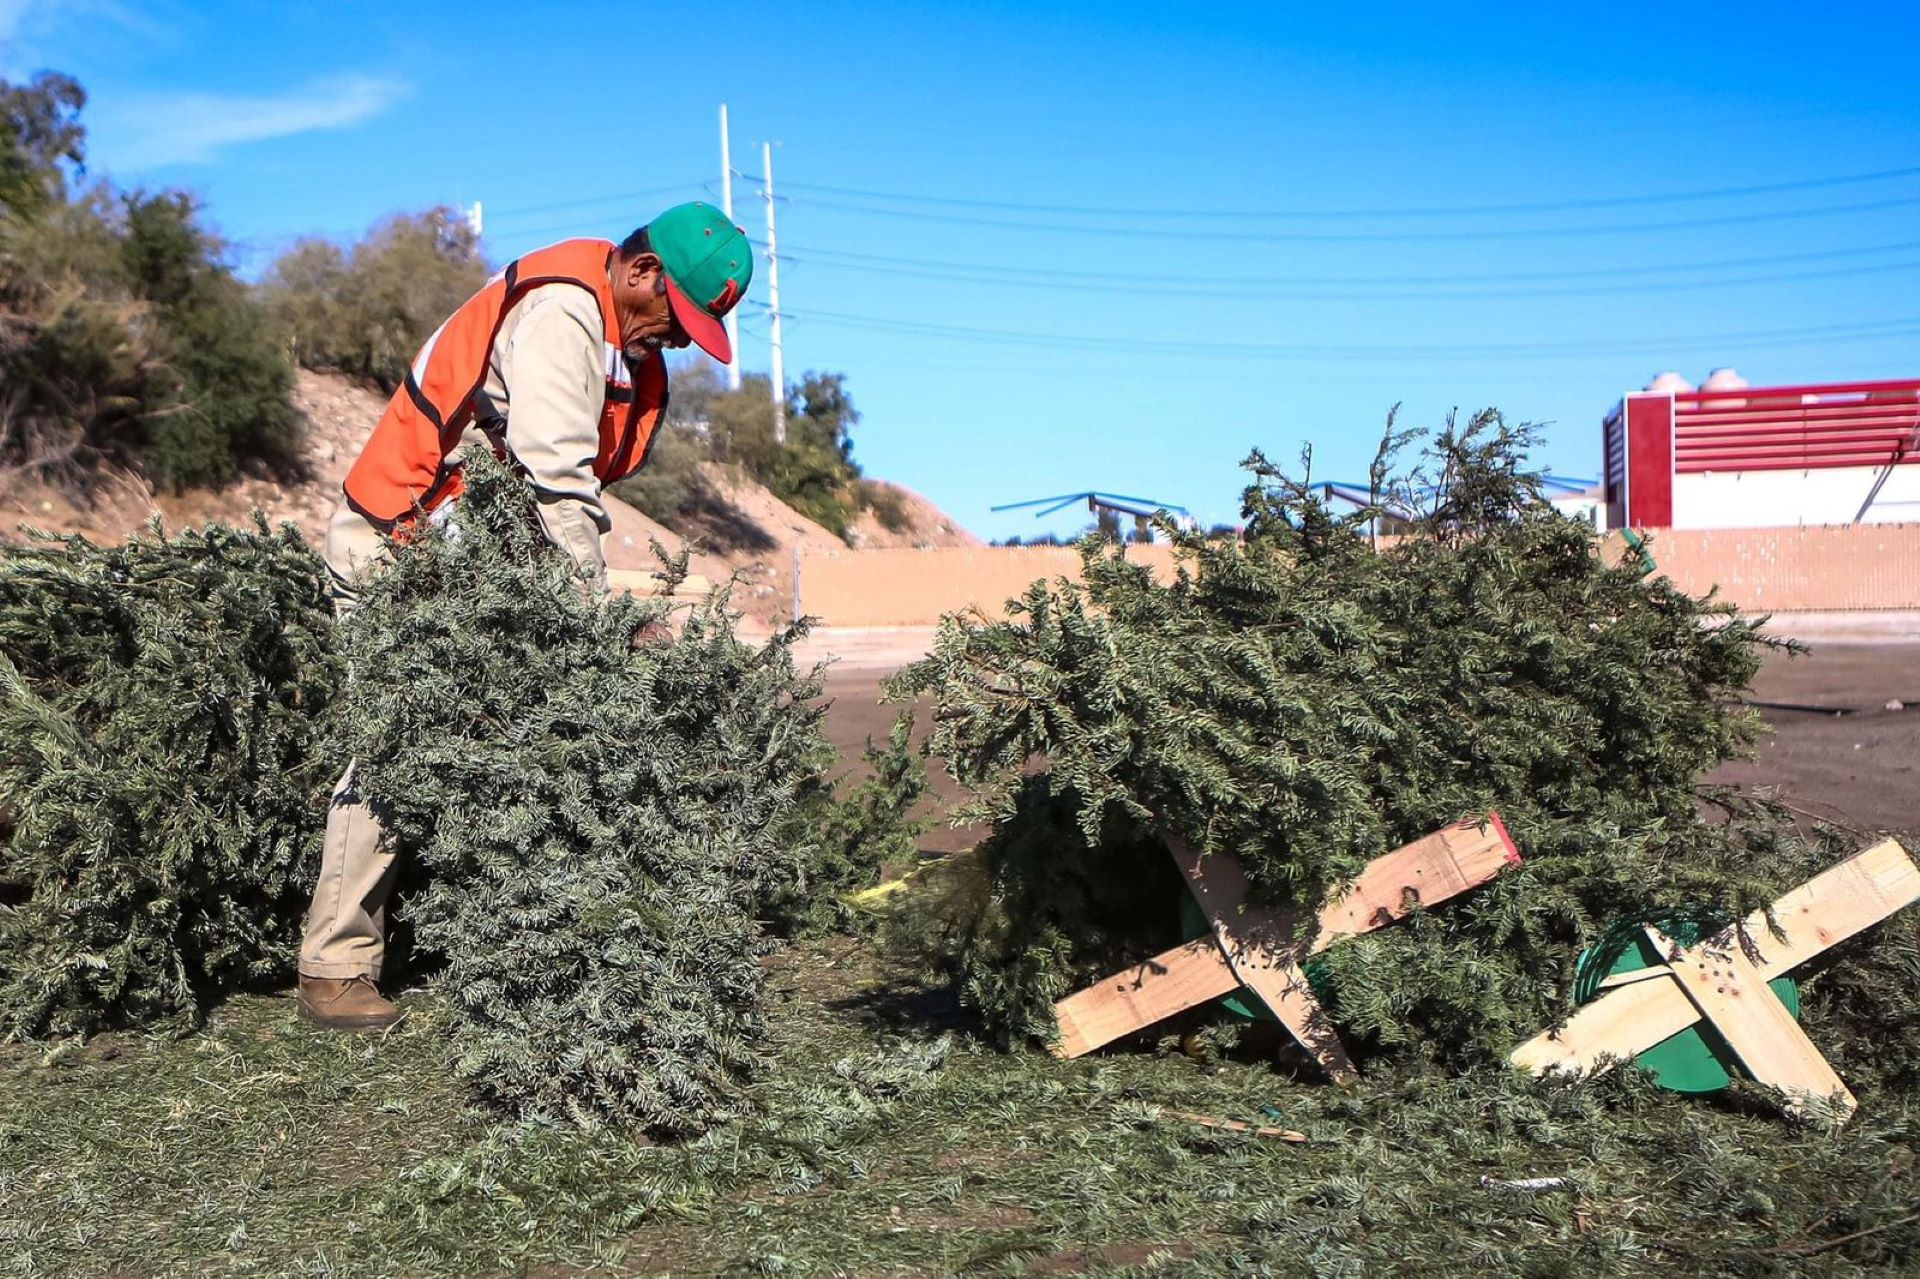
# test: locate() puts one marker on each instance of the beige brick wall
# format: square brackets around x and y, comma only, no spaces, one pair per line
[914,588]
[1783,570]
[1811,569]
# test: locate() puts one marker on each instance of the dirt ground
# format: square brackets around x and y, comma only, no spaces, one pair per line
[1835,750]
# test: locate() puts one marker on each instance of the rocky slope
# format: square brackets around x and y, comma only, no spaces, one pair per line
[754,534]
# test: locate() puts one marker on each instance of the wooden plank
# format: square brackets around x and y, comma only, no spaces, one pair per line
[1619,1025]
[1730,991]
[1260,947]
[1168,983]
[1648,973]
[1831,907]
[1287,1135]
[1427,871]
[1823,912]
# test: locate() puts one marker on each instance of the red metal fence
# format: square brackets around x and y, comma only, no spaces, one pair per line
[1793,428]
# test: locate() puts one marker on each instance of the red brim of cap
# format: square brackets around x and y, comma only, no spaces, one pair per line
[709,334]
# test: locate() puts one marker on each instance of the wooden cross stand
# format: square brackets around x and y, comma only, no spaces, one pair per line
[1723,980]
[1255,948]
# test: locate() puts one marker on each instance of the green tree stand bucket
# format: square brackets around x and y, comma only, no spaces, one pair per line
[1697,1060]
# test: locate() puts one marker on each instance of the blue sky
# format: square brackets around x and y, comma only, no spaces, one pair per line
[1111,246]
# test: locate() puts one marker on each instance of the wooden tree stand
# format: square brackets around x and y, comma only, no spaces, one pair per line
[1255,947]
[1723,980]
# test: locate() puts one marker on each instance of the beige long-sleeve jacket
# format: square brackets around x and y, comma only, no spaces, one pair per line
[546,384]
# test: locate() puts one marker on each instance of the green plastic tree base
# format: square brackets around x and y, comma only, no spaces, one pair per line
[1697,1060]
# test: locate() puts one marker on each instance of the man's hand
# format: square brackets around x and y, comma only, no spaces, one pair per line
[655,632]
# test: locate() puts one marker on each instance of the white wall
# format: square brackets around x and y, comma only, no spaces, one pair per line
[1590,507]
[1770,499]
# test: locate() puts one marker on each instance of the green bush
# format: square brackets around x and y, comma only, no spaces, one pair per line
[233,381]
[367,310]
[888,505]
[165,759]
[125,340]
[814,472]
[83,383]
[40,140]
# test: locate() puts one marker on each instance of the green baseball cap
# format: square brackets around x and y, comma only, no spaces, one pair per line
[708,265]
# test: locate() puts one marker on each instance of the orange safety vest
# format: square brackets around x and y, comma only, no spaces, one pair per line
[405,463]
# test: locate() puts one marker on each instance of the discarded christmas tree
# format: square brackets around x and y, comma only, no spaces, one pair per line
[1307,700]
[164,765]
[598,813]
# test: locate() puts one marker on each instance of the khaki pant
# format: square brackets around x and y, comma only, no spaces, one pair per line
[346,934]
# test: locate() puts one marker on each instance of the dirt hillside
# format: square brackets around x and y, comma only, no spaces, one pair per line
[745,531]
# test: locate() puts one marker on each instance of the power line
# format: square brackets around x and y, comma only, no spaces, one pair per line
[1319,237]
[493,216]
[1896,327]
[496,214]
[1227,290]
[989,272]
[1377,237]
[1187,214]
[1457,210]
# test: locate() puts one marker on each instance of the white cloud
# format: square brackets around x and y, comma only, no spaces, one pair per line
[146,131]
[33,33]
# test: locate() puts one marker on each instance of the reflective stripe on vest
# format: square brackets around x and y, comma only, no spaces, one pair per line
[405,463]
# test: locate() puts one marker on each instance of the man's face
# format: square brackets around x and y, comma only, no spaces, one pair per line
[641,309]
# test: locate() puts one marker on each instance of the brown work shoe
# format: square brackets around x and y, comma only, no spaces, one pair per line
[346,1003]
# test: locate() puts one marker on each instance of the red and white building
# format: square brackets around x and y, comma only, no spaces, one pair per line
[1730,455]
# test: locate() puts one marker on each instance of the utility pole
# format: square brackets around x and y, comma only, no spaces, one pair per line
[726,206]
[773,306]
